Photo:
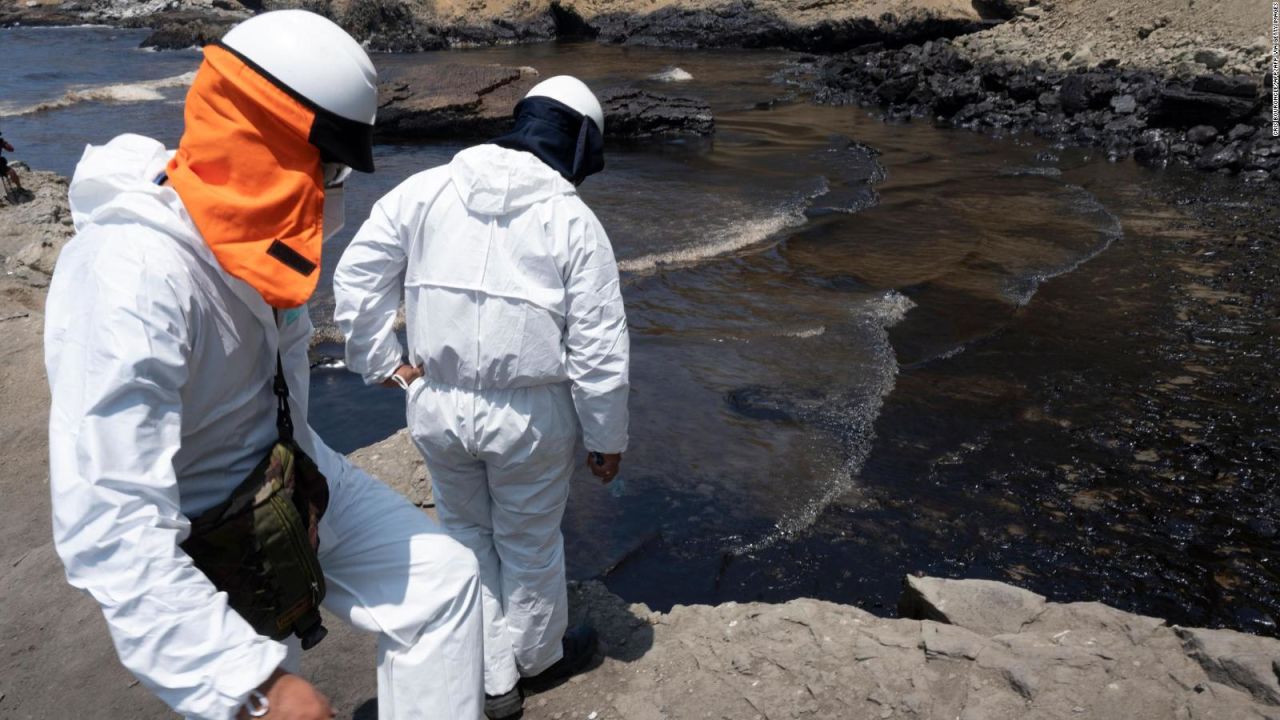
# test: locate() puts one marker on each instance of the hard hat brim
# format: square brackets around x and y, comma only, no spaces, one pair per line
[339,139]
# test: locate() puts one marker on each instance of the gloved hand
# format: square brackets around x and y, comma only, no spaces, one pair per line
[606,470]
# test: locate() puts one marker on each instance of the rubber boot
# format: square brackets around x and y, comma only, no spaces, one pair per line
[580,644]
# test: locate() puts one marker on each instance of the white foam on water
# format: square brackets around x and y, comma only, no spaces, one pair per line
[733,238]
[852,418]
[671,74]
[806,333]
[1020,290]
[147,91]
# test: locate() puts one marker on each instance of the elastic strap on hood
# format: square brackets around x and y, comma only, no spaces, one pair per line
[251,179]
[566,140]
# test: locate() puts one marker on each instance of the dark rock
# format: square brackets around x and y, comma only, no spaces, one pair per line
[1218,157]
[1202,134]
[1241,132]
[1086,91]
[1182,107]
[1235,85]
[389,27]
[634,113]
[896,90]
[950,95]
[1211,58]
[1152,149]
[180,35]
[450,101]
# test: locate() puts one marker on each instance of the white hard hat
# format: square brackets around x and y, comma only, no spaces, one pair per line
[572,92]
[321,65]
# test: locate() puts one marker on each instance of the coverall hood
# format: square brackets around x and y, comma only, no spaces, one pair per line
[128,165]
[495,181]
[250,176]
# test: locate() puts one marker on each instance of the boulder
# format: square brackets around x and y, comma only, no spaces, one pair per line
[1184,107]
[634,113]
[1245,662]
[396,462]
[474,102]
[1202,134]
[983,606]
[1242,86]
[467,102]
[1086,91]
[34,225]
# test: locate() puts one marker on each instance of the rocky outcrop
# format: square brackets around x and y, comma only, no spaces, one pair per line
[1154,117]
[406,25]
[634,113]
[451,101]
[34,225]
[474,102]
[398,463]
[808,658]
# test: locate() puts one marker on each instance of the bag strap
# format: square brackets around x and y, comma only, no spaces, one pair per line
[284,421]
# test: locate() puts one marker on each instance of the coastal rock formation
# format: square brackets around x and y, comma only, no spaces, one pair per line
[474,102]
[450,101]
[406,26]
[35,225]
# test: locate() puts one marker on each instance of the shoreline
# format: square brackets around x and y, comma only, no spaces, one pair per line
[960,648]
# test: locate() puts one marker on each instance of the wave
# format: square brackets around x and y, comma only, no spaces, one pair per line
[850,416]
[731,239]
[146,91]
[1020,290]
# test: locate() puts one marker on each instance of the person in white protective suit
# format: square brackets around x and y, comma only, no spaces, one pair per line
[186,280]
[516,320]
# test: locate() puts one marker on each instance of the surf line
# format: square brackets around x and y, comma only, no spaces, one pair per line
[145,91]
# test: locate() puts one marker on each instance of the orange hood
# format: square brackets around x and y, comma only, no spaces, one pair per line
[251,179]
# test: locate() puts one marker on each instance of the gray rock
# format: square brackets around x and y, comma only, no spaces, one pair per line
[34,225]
[1124,104]
[1245,662]
[396,462]
[984,606]
[1211,58]
[1202,134]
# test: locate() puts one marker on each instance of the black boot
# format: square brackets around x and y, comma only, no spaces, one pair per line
[507,706]
[580,644]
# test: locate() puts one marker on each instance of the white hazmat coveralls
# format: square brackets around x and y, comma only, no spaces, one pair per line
[161,367]
[514,314]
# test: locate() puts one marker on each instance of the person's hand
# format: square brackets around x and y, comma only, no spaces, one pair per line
[289,697]
[406,372]
[608,470]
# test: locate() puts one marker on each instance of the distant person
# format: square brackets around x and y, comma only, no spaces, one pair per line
[517,341]
[186,501]
[5,171]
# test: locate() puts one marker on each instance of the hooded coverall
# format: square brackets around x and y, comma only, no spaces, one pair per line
[161,367]
[514,314]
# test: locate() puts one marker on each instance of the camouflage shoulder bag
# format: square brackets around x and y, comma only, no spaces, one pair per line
[259,547]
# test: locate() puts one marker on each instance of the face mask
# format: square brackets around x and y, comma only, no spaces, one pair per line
[335,211]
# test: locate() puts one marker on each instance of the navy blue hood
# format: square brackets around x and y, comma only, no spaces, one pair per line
[566,140]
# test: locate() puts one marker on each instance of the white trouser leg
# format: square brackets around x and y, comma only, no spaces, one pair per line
[462,503]
[500,463]
[528,495]
[390,570]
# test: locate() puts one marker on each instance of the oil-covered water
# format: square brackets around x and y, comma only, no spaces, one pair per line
[859,350]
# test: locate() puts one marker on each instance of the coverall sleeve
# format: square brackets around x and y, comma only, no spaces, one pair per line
[115,425]
[598,348]
[367,287]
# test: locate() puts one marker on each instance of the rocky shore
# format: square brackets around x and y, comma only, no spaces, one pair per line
[405,26]
[474,102]
[970,649]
